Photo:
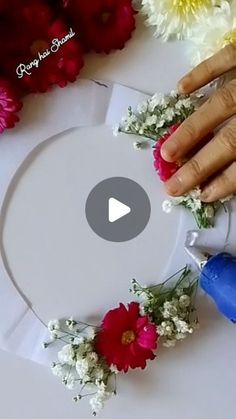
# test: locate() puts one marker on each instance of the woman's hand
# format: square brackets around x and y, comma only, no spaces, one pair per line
[215,164]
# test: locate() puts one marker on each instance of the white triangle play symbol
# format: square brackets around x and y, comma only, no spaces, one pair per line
[117,210]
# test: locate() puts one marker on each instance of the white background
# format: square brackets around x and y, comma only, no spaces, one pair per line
[64,269]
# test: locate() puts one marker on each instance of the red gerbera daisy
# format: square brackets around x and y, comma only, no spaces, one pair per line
[165,169]
[34,30]
[126,339]
[10,104]
[103,25]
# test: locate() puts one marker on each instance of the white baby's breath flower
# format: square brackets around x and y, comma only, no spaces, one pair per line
[67,355]
[96,404]
[156,100]
[184,301]
[165,329]
[213,31]
[114,369]
[57,369]
[98,373]
[116,130]
[170,309]
[174,18]
[142,310]
[167,206]
[209,211]
[169,114]
[226,199]
[183,103]
[169,343]
[92,357]
[195,204]
[181,325]
[90,332]
[79,340]
[195,193]
[82,367]
[54,325]
[70,382]
[180,336]
[142,107]
[151,120]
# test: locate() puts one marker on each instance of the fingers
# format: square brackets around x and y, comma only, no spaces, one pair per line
[221,106]
[215,156]
[208,70]
[222,186]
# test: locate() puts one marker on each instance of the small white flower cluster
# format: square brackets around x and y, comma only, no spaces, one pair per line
[79,364]
[171,308]
[153,117]
[203,213]
[176,324]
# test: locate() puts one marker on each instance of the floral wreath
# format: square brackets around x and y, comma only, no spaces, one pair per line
[91,357]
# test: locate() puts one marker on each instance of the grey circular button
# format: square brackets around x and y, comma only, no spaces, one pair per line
[118,209]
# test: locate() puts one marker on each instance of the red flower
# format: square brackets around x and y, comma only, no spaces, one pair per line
[165,169]
[103,25]
[34,29]
[9,106]
[3,5]
[126,339]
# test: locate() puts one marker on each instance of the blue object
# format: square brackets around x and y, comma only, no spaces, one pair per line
[218,280]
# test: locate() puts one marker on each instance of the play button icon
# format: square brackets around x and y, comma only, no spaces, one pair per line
[118,209]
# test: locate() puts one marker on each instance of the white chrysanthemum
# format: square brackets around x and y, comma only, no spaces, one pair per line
[213,31]
[174,18]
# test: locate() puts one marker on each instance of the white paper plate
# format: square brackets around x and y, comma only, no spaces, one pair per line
[63,268]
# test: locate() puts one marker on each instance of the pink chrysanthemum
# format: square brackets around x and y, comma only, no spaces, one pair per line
[10,104]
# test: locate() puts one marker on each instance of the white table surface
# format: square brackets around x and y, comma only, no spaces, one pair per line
[64,269]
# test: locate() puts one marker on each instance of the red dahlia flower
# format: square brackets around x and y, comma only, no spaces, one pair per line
[9,106]
[165,169]
[34,30]
[103,25]
[127,339]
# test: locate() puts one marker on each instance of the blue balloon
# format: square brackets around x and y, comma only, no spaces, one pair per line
[218,280]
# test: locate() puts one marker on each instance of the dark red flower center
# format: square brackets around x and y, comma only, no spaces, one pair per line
[40,45]
[128,337]
[104,17]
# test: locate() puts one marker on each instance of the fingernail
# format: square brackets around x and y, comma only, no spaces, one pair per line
[184,84]
[169,150]
[174,186]
[206,194]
